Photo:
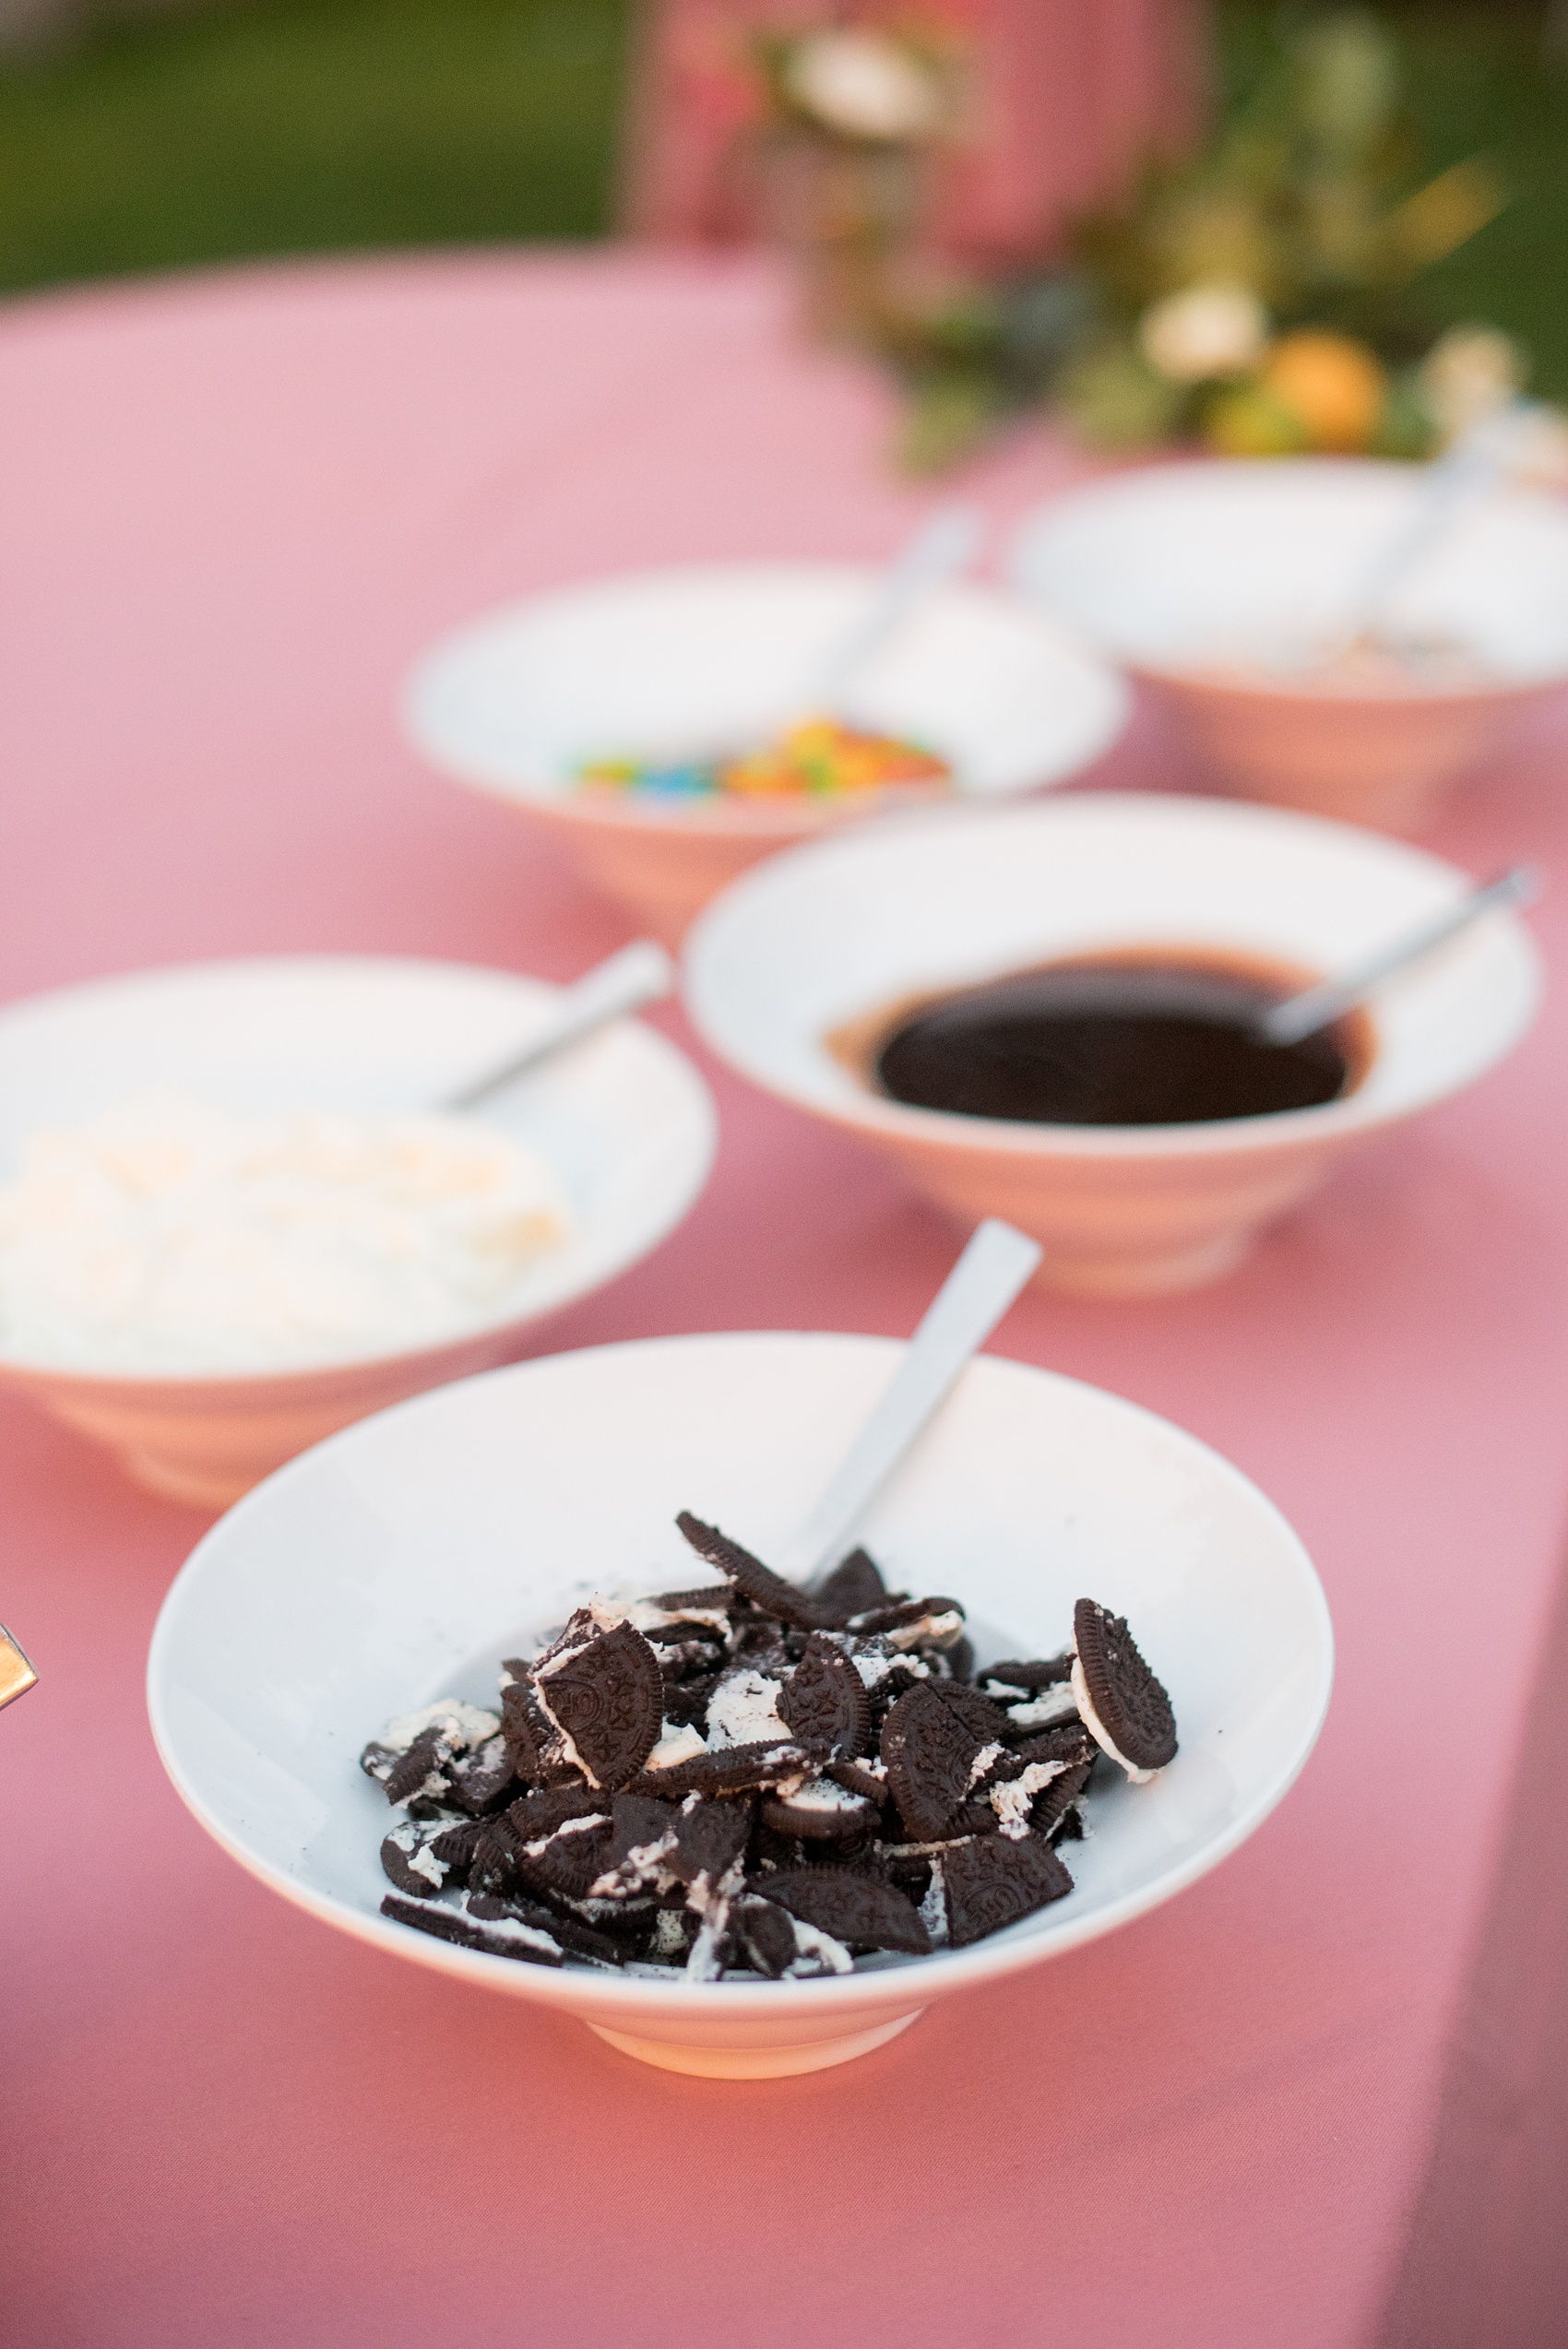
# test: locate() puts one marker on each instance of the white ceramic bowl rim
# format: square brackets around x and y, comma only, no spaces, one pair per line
[686,1097]
[1145,563]
[602,1996]
[463,709]
[737,908]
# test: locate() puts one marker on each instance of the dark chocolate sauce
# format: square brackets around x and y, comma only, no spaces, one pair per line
[1120,1042]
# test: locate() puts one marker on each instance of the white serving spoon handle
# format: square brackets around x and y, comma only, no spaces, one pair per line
[636,975]
[966,1309]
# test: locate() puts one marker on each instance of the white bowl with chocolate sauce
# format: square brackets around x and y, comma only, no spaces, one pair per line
[805,972]
[399,1562]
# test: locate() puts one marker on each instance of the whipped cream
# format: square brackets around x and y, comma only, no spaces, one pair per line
[174,1237]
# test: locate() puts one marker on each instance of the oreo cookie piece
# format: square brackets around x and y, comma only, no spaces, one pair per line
[858,1777]
[577,1939]
[820,1811]
[986,1723]
[481,1780]
[1132,1708]
[992,1883]
[710,1839]
[639,1823]
[542,1812]
[824,1702]
[454,1847]
[407,1859]
[731,1770]
[1048,1816]
[1020,1680]
[864,1912]
[768,1591]
[766,1936]
[929,1753]
[493,1858]
[1071,1743]
[608,1697]
[939,1621]
[853,1587]
[497,1937]
[527,1734]
[714,1598]
[569,1861]
[418,1771]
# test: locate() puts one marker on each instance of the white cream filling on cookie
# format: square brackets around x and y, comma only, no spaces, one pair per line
[1013,1798]
[465,1725]
[743,1711]
[1099,1731]
[1058,1703]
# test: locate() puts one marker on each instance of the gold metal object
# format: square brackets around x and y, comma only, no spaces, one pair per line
[16,1675]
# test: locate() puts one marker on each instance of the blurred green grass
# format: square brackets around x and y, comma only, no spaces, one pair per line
[306,125]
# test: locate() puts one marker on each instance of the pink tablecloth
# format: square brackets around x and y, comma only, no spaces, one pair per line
[1317,2102]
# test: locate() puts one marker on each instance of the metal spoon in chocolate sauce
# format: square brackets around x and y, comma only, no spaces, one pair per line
[1319,1006]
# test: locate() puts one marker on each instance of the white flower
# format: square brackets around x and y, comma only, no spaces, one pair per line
[1469,373]
[864,84]
[1204,332]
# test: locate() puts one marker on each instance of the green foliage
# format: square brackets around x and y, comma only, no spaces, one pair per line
[309,124]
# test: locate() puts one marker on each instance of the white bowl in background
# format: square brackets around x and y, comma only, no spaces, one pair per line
[624,1117]
[514,702]
[834,931]
[399,1561]
[1176,570]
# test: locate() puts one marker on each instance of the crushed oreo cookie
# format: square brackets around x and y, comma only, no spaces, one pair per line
[746,1779]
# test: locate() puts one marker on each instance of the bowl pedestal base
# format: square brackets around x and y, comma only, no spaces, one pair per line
[756,2063]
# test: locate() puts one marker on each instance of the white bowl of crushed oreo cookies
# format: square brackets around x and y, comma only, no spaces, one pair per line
[1047,1014]
[469,1682]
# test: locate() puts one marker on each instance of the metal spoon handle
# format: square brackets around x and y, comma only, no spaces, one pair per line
[1475,464]
[966,1309]
[1320,1006]
[944,545]
[637,975]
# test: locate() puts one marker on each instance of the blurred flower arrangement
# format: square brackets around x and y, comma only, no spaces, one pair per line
[1257,298]
[846,120]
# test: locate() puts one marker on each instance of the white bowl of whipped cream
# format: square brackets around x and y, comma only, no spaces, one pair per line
[233,1215]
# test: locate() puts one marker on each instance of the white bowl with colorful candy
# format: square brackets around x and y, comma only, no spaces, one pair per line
[662,725]
[739,1829]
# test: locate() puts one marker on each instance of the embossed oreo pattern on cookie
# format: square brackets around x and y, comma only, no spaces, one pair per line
[928,1750]
[992,1882]
[607,1698]
[1133,1706]
[825,1704]
[745,1779]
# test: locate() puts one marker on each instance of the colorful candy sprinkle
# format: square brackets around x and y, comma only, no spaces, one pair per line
[816,759]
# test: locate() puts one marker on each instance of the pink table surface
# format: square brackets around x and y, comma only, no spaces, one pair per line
[1319,2100]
